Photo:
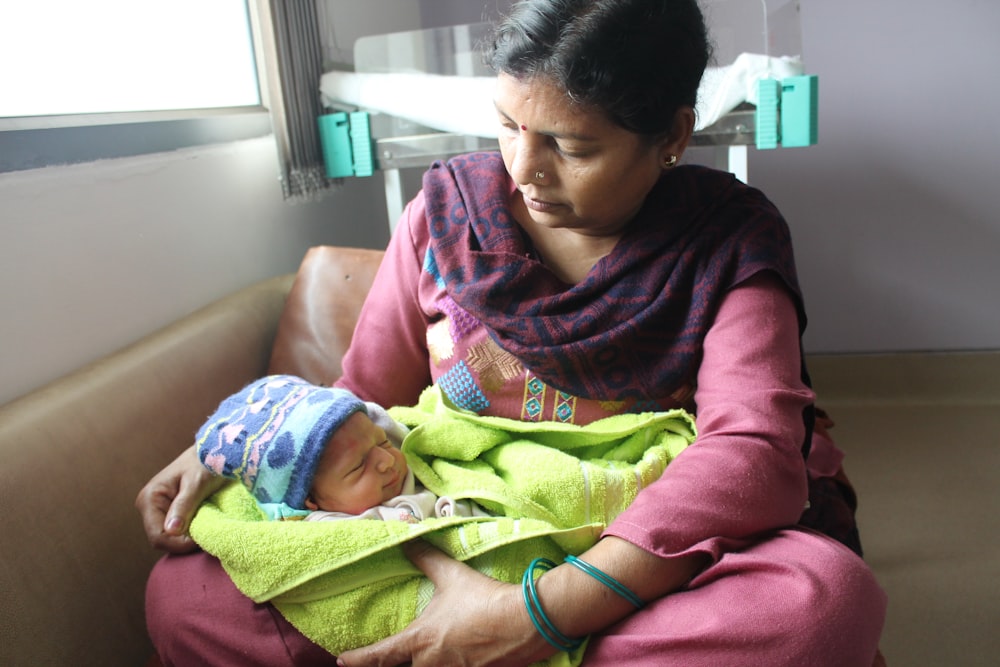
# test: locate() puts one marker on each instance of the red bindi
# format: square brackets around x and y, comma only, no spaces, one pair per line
[524,128]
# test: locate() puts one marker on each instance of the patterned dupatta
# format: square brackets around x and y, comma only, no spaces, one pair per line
[634,327]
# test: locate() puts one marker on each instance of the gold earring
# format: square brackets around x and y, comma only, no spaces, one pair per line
[670,161]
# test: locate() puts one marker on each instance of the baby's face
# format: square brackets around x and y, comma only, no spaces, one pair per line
[359,469]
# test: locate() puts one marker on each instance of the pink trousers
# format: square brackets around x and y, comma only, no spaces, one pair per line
[798,598]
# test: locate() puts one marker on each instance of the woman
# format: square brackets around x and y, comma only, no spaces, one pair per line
[578,274]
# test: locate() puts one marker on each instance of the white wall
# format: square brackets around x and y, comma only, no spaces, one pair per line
[895,213]
[94,256]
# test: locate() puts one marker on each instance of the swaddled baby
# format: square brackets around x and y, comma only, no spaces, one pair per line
[317,453]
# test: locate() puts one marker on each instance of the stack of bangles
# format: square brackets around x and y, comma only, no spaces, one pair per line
[537,615]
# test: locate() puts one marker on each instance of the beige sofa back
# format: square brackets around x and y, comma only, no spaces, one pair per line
[73,455]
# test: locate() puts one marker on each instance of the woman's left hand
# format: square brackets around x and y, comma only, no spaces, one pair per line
[472,620]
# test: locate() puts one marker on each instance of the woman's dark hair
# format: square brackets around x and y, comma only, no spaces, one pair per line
[637,60]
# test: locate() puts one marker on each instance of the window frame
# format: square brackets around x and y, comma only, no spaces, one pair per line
[34,142]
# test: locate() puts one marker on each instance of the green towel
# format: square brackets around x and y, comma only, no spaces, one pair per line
[553,488]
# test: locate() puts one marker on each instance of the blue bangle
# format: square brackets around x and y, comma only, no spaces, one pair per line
[607,580]
[544,626]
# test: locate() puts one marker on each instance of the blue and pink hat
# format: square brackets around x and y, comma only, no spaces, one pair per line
[271,436]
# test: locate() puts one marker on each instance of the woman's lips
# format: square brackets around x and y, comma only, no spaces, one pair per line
[538,204]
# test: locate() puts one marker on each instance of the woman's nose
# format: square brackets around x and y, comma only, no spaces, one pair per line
[525,158]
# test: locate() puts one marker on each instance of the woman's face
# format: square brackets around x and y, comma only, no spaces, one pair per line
[359,469]
[596,174]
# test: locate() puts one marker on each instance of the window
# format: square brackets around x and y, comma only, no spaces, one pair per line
[107,78]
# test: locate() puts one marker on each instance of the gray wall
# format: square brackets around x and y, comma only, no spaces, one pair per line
[893,213]
[93,256]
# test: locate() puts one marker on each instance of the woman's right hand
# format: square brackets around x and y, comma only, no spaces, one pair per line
[168,501]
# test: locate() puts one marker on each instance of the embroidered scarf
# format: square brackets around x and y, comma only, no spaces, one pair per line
[634,327]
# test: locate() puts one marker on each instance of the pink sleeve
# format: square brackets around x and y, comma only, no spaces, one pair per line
[388,362]
[745,472]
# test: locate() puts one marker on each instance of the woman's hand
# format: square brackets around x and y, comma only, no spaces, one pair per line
[480,622]
[472,620]
[168,501]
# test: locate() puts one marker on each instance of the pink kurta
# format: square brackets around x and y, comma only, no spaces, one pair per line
[774,594]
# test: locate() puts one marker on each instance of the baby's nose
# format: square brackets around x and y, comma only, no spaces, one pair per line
[385,461]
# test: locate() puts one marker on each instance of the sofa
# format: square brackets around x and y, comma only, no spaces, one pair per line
[919,430]
[75,453]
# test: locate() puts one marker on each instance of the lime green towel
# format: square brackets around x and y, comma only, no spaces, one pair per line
[553,488]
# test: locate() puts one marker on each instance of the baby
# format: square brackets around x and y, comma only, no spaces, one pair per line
[317,453]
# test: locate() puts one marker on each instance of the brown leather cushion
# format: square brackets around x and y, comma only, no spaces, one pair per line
[318,321]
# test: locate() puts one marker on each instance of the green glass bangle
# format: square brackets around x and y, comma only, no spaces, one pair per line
[606,579]
[537,615]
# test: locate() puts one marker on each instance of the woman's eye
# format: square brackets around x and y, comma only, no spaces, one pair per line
[570,150]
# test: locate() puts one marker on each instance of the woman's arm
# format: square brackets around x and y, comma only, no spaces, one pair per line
[388,362]
[745,474]
[579,605]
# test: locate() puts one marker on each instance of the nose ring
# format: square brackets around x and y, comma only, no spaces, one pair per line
[539,175]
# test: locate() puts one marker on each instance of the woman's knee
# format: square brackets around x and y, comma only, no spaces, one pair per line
[797,598]
[165,606]
[830,603]
[180,606]
[196,616]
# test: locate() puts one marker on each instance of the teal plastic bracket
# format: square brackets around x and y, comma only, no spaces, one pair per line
[799,111]
[335,141]
[346,142]
[787,112]
[361,144]
[766,118]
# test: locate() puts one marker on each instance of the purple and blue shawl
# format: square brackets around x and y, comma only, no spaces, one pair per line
[634,327]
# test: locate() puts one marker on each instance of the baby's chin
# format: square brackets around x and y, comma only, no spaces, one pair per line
[395,488]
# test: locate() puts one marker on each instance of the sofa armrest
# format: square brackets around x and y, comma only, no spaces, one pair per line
[73,456]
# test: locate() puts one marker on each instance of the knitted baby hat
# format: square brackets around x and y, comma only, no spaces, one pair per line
[271,435]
